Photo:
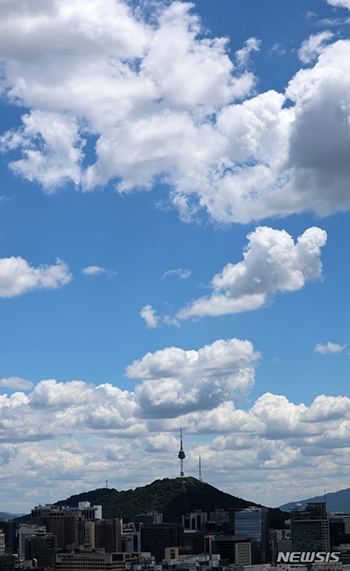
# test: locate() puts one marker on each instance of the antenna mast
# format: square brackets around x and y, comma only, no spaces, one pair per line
[200,469]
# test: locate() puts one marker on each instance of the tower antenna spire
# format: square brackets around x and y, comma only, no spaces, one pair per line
[181,456]
[200,469]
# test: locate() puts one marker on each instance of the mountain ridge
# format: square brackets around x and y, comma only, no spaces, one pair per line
[172,497]
[336,501]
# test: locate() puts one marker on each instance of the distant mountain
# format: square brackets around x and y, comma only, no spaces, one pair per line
[336,501]
[172,497]
[6,515]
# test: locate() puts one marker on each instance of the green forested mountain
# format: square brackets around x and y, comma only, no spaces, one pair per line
[172,497]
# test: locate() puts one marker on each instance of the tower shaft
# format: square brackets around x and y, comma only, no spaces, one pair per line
[181,456]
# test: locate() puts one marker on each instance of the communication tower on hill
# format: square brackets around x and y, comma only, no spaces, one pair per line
[181,456]
[200,470]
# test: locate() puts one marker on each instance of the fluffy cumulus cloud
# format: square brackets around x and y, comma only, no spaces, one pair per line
[272,262]
[340,3]
[17,276]
[329,348]
[176,380]
[163,101]
[97,430]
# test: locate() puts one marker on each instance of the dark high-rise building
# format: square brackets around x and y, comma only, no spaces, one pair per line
[310,528]
[41,547]
[253,523]
[9,529]
[195,520]
[108,535]
[195,541]
[63,524]
[235,549]
[7,562]
[155,538]
[339,529]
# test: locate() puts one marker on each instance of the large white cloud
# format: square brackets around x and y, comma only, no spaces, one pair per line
[76,435]
[272,262]
[175,380]
[340,3]
[164,103]
[17,276]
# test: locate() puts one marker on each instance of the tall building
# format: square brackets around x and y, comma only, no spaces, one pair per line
[108,535]
[253,523]
[195,541]
[155,538]
[41,547]
[236,549]
[310,528]
[23,532]
[86,510]
[339,528]
[9,529]
[195,520]
[8,562]
[63,524]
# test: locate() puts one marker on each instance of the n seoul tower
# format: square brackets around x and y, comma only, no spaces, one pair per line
[181,455]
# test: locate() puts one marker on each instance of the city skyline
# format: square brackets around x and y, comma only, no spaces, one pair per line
[174,226]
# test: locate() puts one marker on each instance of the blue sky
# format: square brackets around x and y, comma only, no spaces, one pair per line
[174,232]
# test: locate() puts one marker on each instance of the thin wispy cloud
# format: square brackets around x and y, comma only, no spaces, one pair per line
[181,273]
[314,46]
[98,270]
[16,383]
[329,348]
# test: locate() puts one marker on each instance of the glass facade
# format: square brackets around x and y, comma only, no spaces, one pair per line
[253,523]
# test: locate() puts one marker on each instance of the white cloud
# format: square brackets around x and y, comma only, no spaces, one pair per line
[243,55]
[164,102]
[18,277]
[16,383]
[149,315]
[272,262]
[51,148]
[314,46]
[99,430]
[97,270]
[329,348]
[340,3]
[176,380]
[183,274]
